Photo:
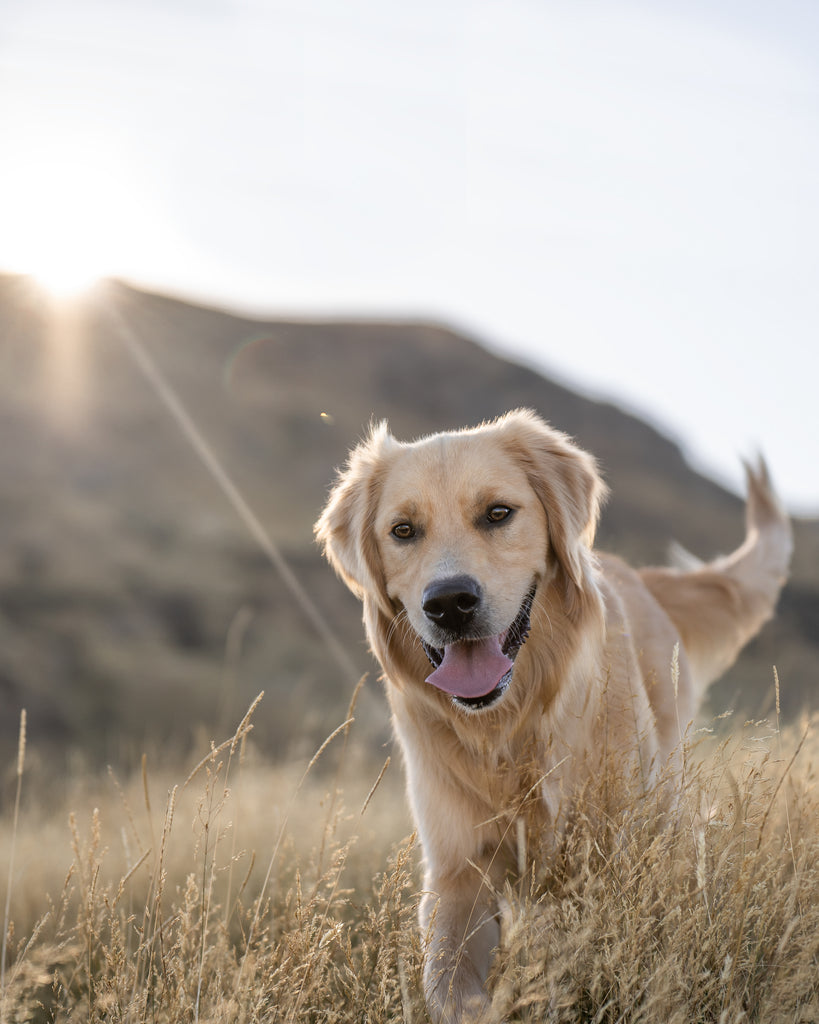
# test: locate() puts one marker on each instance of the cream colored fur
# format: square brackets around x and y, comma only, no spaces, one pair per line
[591,689]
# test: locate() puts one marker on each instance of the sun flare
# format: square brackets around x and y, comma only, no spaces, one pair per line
[64,282]
[70,216]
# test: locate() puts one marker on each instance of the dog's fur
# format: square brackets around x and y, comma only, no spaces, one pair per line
[506,507]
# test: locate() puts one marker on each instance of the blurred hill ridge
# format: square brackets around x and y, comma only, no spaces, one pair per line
[135,609]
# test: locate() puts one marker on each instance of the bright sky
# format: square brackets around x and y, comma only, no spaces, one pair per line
[622,194]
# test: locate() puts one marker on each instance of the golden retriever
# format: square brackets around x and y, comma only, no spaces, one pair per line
[519,661]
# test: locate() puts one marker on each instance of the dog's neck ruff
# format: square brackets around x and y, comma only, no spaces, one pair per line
[477,672]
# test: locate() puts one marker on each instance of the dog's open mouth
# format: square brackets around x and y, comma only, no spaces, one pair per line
[476,673]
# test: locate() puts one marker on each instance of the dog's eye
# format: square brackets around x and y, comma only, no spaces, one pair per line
[498,513]
[403,531]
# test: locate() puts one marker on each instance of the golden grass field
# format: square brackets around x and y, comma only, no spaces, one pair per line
[239,891]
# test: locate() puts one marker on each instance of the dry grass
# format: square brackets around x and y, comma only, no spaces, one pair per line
[713,918]
[159,910]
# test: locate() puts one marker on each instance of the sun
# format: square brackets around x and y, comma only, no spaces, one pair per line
[68,216]
[63,281]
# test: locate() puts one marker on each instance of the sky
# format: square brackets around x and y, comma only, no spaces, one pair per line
[620,194]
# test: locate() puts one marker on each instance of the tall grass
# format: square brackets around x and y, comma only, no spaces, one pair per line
[714,917]
[160,910]
[21,758]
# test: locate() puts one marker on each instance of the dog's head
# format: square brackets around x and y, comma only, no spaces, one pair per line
[459,532]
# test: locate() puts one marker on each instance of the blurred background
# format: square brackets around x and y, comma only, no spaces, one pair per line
[231,233]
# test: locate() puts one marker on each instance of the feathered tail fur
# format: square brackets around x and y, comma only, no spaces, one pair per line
[718,606]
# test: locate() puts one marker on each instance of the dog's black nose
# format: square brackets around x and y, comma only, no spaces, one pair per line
[451,603]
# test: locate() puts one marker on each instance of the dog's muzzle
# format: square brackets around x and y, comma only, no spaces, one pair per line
[476,672]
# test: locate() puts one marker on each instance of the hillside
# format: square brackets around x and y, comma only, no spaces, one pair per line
[135,609]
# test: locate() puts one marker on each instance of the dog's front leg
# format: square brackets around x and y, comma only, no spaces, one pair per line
[459,920]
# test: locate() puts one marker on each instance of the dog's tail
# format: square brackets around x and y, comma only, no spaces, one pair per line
[718,606]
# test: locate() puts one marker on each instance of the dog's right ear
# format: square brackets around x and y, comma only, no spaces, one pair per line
[345,528]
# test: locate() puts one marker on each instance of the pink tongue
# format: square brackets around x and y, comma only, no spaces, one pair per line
[471,668]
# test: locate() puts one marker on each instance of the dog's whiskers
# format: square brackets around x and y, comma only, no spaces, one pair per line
[539,610]
[402,622]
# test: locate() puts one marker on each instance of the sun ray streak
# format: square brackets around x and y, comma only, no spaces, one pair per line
[173,404]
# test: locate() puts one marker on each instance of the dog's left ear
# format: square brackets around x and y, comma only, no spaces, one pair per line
[567,481]
[345,527]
